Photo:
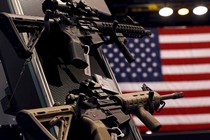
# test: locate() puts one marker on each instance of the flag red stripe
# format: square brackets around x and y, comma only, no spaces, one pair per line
[182,111]
[181,61]
[190,93]
[177,46]
[189,30]
[185,127]
[179,127]
[186,77]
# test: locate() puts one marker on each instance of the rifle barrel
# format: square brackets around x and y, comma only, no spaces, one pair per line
[174,95]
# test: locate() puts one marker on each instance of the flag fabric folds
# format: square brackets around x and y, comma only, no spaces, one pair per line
[171,59]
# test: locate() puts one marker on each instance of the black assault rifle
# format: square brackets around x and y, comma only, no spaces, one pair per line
[77,25]
[69,32]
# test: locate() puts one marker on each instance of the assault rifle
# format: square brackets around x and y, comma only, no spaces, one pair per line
[94,111]
[79,27]
[76,22]
[68,34]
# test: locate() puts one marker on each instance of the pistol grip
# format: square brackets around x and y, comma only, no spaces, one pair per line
[77,57]
[98,129]
[150,121]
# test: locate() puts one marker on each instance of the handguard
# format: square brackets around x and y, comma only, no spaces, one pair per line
[138,103]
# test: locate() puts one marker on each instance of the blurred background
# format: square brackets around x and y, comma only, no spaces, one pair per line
[147,11]
[176,57]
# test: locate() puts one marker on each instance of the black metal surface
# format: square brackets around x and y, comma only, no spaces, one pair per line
[10,132]
[70,83]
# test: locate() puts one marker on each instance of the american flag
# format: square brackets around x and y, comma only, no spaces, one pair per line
[171,59]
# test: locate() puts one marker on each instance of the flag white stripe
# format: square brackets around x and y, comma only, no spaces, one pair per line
[186,69]
[188,102]
[178,119]
[185,53]
[184,38]
[165,86]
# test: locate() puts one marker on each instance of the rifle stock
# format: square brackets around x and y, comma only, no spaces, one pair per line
[38,123]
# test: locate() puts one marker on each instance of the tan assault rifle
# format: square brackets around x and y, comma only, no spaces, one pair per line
[93,114]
